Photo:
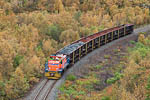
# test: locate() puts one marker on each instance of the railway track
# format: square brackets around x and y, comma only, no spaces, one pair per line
[45,89]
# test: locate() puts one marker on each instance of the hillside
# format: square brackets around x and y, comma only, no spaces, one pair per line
[31,30]
[120,73]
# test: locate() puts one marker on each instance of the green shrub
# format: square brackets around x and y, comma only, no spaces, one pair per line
[105,98]
[17,60]
[54,31]
[132,42]
[142,32]
[71,77]
[116,77]
[100,28]
[111,80]
[77,15]
[106,56]
[62,88]
[71,90]
[98,66]
[2,88]
[148,84]
[147,97]
[39,46]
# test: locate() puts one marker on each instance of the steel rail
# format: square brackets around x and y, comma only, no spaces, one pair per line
[41,88]
[49,90]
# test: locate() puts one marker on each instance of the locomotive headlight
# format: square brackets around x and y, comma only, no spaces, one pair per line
[57,69]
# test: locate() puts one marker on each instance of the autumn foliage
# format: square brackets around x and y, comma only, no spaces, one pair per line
[31,30]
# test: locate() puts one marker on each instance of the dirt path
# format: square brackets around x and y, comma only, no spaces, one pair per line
[90,58]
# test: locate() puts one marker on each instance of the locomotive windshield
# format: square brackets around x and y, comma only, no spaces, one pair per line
[54,58]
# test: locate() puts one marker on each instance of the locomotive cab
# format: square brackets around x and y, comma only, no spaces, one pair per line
[55,66]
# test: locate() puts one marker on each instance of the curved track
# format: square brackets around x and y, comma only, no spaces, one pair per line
[46,89]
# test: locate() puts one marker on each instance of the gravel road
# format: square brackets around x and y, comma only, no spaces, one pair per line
[83,61]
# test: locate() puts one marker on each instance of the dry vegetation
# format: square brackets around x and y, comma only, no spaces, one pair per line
[30,30]
[127,80]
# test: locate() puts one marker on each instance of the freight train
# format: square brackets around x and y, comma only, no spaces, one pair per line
[67,56]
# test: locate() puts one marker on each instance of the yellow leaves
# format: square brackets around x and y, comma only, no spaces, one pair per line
[28,32]
[33,80]
[146,11]
[34,65]
[41,4]
[7,52]
[27,37]
[59,6]
[141,38]
[145,63]
[68,36]
[48,46]
[119,18]
[125,95]
[9,91]
[32,68]
[84,31]
[107,21]
[114,10]
[89,20]
[140,91]
[35,61]
[139,19]
[64,20]
[1,12]
[16,85]
[1,77]
[138,10]
[19,78]
[110,2]
[19,73]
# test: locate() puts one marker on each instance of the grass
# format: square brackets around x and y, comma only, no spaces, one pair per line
[148,84]
[132,42]
[107,56]
[98,66]
[78,87]
[105,98]
[116,77]
[148,89]
[71,77]
[95,67]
